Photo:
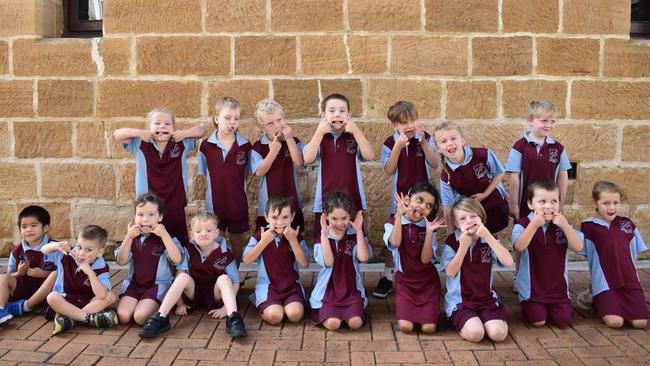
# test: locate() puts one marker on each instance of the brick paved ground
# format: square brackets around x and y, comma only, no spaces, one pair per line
[197,339]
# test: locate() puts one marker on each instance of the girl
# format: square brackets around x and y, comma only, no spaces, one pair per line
[467,256]
[339,294]
[161,163]
[410,238]
[224,159]
[279,250]
[147,248]
[470,172]
[612,244]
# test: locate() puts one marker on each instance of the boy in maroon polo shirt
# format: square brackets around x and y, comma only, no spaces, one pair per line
[83,287]
[224,159]
[542,238]
[340,145]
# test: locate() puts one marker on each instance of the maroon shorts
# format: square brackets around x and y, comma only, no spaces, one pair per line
[233,226]
[627,303]
[203,296]
[485,312]
[141,293]
[318,316]
[558,314]
[497,218]
[298,220]
[292,294]
[26,287]
[79,301]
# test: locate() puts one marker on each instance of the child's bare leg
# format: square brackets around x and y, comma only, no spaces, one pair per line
[7,287]
[613,321]
[497,330]
[355,322]
[473,330]
[237,245]
[143,310]
[42,292]
[125,309]
[182,283]
[405,326]
[332,323]
[225,290]
[428,328]
[273,314]
[295,311]
[96,305]
[59,304]
[639,323]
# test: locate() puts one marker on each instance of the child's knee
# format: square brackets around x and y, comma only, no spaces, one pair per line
[473,334]
[539,324]
[53,296]
[332,323]
[405,326]
[428,328]
[640,323]
[273,316]
[355,322]
[224,280]
[498,334]
[613,321]
[295,314]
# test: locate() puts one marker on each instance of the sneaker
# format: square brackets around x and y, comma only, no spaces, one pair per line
[16,308]
[384,287]
[235,326]
[62,323]
[585,299]
[4,316]
[155,325]
[103,319]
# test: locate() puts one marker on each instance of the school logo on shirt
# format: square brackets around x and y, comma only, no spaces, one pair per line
[480,170]
[418,151]
[421,237]
[241,158]
[48,266]
[220,264]
[287,153]
[486,255]
[351,146]
[626,227]
[560,238]
[158,250]
[175,152]
[349,244]
[87,282]
[553,156]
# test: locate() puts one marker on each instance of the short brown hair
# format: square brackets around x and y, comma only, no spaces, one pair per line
[402,112]
[606,186]
[94,232]
[339,199]
[543,184]
[277,202]
[470,205]
[151,198]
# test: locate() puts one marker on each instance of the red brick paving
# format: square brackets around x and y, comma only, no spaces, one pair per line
[199,340]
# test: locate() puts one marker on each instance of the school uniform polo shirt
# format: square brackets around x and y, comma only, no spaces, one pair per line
[70,280]
[413,233]
[35,257]
[204,268]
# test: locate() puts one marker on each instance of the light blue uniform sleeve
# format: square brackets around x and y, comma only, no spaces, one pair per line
[184,265]
[388,229]
[317,153]
[12,266]
[565,164]
[385,154]
[132,144]
[516,232]
[202,166]
[105,279]
[55,257]
[585,248]
[190,143]
[117,251]
[305,248]
[447,255]
[256,160]
[447,194]
[494,164]
[318,254]
[252,242]
[249,165]
[232,272]
[180,248]
[638,245]
[513,164]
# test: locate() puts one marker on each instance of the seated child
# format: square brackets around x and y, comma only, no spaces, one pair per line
[211,284]
[29,276]
[82,290]
[279,251]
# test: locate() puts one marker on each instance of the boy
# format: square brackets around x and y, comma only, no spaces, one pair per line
[273,159]
[83,288]
[406,157]
[212,283]
[542,239]
[29,276]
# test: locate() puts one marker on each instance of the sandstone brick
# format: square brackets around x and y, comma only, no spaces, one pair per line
[4,57]
[633,180]
[601,144]
[610,100]
[635,146]
[482,93]
[247,92]
[626,59]
[6,246]
[127,181]
[113,218]
[12,173]
[351,88]
[53,57]
[144,16]
[518,93]
[323,55]
[384,15]
[4,139]
[596,17]
[307,16]
[43,139]
[376,133]
[7,220]
[115,149]
[279,56]
[78,181]
[498,137]
[59,218]
[368,54]
[16,98]
[530,16]
[641,218]
[91,140]
[30,17]
[503,56]
[116,53]
[461,16]
[567,57]
[298,97]
[415,55]
[183,55]
[235,16]
[65,98]
[424,94]
[137,98]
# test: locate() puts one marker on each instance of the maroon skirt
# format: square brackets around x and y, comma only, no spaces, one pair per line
[417,298]
[318,316]
[627,303]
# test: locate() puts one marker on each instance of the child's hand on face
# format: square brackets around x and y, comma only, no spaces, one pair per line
[133,230]
[176,136]
[218,313]
[422,139]
[357,224]
[290,233]
[401,142]
[275,145]
[85,268]
[400,203]
[146,135]
[560,221]
[267,235]
[159,229]
[286,132]
[465,238]
[324,127]
[325,227]
[538,219]
[63,246]
[434,224]
[482,231]
[350,126]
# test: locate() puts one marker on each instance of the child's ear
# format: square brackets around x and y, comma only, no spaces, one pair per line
[161,218]
[293,214]
[46,228]
[530,205]
[266,217]
[100,252]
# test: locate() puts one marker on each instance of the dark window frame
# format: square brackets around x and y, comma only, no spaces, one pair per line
[641,28]
[73,27]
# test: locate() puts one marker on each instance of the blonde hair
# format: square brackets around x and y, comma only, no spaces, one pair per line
[225,103]
[446,125]
[267,106]
[539,107]
[203,216]
[606,186]
[470,205]
[159,110]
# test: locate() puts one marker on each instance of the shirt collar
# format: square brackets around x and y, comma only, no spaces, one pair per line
[44,240]
[265,140]
[406,221]
[457,234]
[214,140]
[530,217]
[549,139]
[98,263]
[468,158]
[350,231]
[599,221]
[416,136]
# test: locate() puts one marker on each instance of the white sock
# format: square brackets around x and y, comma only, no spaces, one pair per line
[25,307]
[389,272]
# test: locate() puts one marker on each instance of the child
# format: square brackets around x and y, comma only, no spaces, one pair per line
[279,250]
[542,239]
[224,159]
[406,157]
[536,156]
[411,239]
[161,163]
[339,144]
[467,256]
[273,158]
[339,294]
[147,248]
[470,172]
[212,283]
[82,290]
[29,276]
[612,244]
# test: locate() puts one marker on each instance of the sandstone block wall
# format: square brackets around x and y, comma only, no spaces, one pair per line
[477,62]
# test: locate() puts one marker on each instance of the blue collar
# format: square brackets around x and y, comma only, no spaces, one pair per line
[416,136]
[239,139]
[549,139]
[44,240]
[468,158]
[350,231]
[598,221]
[530,218]
[406,221]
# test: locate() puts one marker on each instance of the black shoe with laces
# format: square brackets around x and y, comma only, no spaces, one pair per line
[155,325]
[384,287]
[235,326]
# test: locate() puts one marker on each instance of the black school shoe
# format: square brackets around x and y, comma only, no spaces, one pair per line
[235,326]
[384,287]
[155,325]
